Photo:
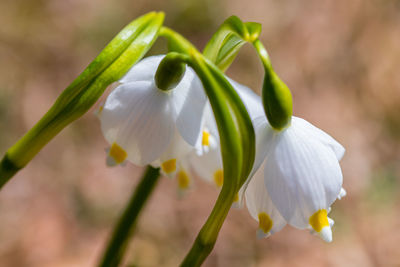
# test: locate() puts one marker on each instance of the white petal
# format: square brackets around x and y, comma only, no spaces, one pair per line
[265,138]
[320,135]
[209,120]
[331,222]
[326,234]
[206,162]
[342,193]
[258,201]
[184,178]
[189,102]
[139,118]
[302,176]
[177,150]
[208,166]
[250,99]
[144,70]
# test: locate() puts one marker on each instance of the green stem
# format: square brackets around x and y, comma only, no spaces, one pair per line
[124,229]
[208,234]
[236,137]
[176,42]
[7,170]
[263,54]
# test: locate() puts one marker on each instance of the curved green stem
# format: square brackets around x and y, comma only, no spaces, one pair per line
[125,227]
[236,137]
[176,42]
[263,54]
[208,234]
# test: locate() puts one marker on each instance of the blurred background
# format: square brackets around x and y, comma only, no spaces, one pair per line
[341,60]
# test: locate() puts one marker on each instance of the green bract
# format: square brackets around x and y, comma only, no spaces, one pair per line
[129,46]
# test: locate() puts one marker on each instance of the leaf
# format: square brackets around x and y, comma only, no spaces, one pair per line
[128,47]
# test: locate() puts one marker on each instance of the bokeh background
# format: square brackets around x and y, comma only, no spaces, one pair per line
[340,58]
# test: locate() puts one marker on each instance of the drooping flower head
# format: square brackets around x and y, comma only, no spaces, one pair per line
[302,178]
[146,125]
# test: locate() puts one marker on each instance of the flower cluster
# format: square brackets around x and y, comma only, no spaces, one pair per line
[296,176]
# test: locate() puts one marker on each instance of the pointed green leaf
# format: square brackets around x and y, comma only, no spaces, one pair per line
[128,47]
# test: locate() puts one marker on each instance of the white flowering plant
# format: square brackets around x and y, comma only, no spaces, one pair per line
[179,113]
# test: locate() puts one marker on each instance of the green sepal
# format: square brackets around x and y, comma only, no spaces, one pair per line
[128,47]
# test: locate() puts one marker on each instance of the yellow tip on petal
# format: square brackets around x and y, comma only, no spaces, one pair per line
[319,220]
[265,222]
[169,166]
[183,179]
[205,140]
[219,177]
[117,153]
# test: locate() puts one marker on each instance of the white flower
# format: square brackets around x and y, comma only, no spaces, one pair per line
[302,177]
[207,162]
[146,125]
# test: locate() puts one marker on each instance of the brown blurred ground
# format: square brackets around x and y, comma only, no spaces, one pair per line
[340,58]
